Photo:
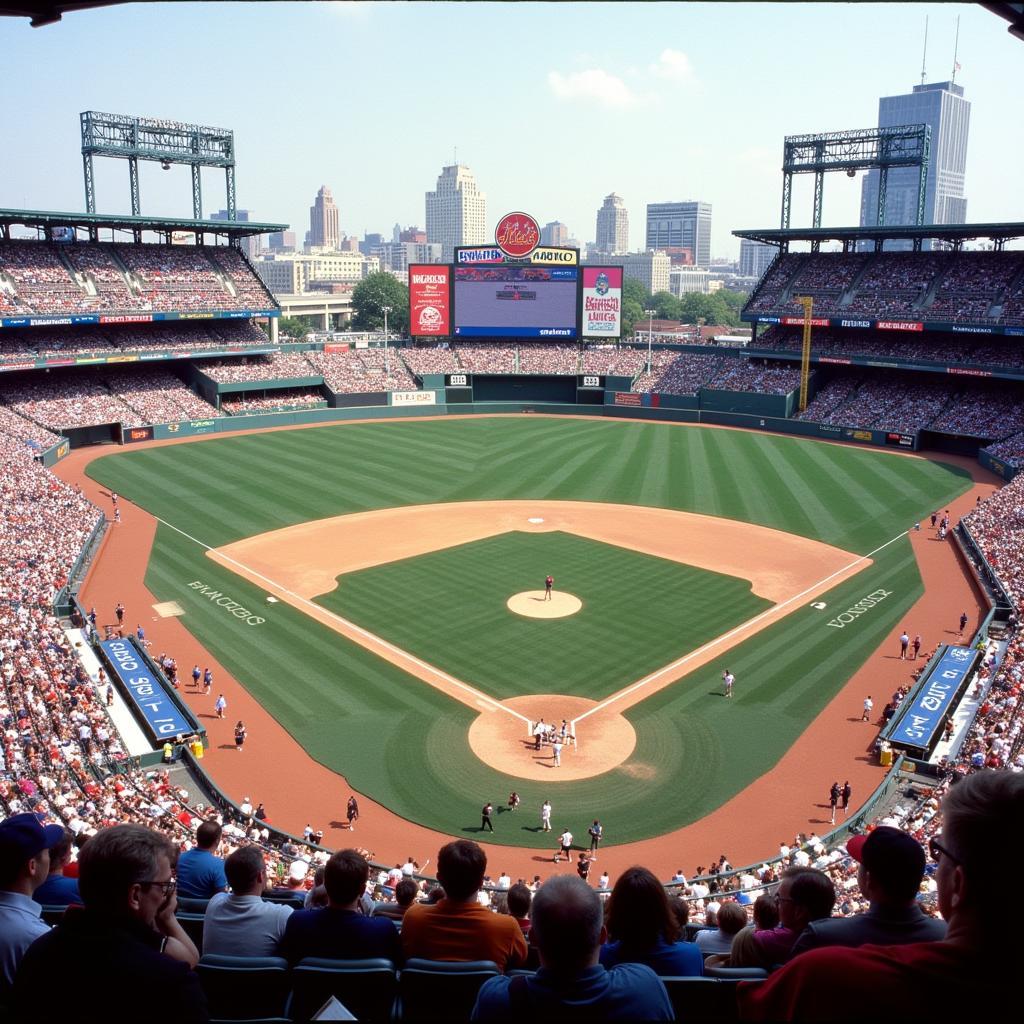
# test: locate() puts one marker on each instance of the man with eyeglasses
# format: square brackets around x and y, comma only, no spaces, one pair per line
[126,939]
[983,831]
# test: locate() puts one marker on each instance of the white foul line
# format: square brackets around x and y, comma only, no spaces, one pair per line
[481,698]
[731,633]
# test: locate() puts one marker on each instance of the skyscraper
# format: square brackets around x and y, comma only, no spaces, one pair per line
[251,244]
[323,221]
[681,226]
[755,257]
[941,105]
[456,211]
[554,233]
[613,225]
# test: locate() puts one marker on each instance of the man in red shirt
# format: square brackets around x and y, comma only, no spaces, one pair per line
[548,584]
[983,830]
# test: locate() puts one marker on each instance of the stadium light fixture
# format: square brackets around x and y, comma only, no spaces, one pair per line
[387,358]
[650,320]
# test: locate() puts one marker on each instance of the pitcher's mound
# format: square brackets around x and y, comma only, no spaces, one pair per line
[531,603]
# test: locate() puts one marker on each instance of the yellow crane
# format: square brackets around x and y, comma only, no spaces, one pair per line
[805,361]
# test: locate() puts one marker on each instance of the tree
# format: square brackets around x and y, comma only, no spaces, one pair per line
[632,314]
[293,327]
[634,291]
[666,306]
[371,295]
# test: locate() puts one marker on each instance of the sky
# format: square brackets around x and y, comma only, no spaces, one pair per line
[551,105]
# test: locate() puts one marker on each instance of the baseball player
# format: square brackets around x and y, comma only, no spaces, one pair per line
[728,678]
[549,584]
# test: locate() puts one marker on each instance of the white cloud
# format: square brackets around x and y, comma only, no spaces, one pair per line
[673,66]
[593,84]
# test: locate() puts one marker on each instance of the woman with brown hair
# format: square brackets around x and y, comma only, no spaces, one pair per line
[643,929]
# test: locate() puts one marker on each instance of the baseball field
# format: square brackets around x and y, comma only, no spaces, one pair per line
[357,581]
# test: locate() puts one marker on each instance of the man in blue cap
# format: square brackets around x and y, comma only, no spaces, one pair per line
[24,864]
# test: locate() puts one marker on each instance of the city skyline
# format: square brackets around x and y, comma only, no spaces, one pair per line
[655,102]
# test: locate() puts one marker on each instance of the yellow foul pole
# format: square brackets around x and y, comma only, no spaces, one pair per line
[805,362]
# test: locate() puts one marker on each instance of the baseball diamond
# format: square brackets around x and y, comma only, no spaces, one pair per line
[390,658]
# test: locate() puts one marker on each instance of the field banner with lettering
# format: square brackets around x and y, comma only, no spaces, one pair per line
[430,300]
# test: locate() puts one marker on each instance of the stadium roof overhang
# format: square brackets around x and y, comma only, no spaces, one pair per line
[91,222]
[954,233]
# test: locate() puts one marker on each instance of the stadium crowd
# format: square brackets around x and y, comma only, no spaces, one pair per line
[272,401]
[273,366]
[362,370]
[960,287]
[61,278]
[1010,450]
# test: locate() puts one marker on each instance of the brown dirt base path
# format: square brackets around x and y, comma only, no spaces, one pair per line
[789,798]
[298,563]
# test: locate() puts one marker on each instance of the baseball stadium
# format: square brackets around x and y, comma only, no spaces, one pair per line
[511,558]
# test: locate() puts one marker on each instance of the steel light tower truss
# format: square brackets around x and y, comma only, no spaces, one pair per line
[166,142]
[905,145]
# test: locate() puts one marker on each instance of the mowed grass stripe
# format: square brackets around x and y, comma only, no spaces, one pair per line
[448,608]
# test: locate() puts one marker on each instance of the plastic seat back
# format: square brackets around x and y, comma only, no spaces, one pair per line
[442,990]
[244,987]
[366,987]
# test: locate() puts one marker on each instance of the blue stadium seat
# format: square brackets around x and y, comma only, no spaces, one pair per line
[245,987]
[736,973]
[193,925]
[702,999]
[366,987]
[442,990]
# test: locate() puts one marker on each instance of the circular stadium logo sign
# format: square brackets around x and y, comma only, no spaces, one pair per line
[517,234]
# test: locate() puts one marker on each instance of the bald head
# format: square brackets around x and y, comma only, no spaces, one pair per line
[567,923]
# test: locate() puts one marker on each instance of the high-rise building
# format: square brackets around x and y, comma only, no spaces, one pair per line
[681,225]
[251,244]
[554,233]
[941,105]
[456,211]
[324,232]
[612,225]
[651,269]
[755,257]
[282,241]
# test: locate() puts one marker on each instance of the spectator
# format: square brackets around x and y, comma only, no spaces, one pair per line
[339,930]
[405,894]
[242,923]
[200,871]
[981,839]
[457,927]
[804,895]
[891,866]
[643,929]
[24,862]
[58,891]
[519,900]
[126,937]
[731,918]
[571,983]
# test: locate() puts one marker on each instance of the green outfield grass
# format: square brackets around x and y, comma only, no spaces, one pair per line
[639,612]
[405,744]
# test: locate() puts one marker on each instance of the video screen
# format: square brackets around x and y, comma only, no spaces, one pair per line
[515,302]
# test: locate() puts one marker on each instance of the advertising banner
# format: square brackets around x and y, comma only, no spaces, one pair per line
[602,302]
[162,716]
[430,301]
[926,710]
[628,398]
[336,346]
[413,398]
[132,434]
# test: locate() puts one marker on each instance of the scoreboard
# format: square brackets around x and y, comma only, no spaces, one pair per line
[508,301]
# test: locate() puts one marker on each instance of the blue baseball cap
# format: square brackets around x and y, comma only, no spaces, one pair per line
[23,837]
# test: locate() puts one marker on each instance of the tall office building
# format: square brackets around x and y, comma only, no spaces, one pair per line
[251,244]
[323,221]
[612,226]
[941,105]
[554,233]
[456,211]
[755,257]
[681,226]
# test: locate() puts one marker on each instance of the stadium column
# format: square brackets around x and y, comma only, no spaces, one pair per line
[327,318]
[273,329]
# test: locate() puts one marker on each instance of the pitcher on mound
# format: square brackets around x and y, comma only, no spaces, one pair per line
[549,583]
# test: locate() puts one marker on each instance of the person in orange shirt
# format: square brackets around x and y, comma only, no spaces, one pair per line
[457,927]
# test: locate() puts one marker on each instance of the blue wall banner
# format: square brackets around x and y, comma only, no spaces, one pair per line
[926,708]
[162,716]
